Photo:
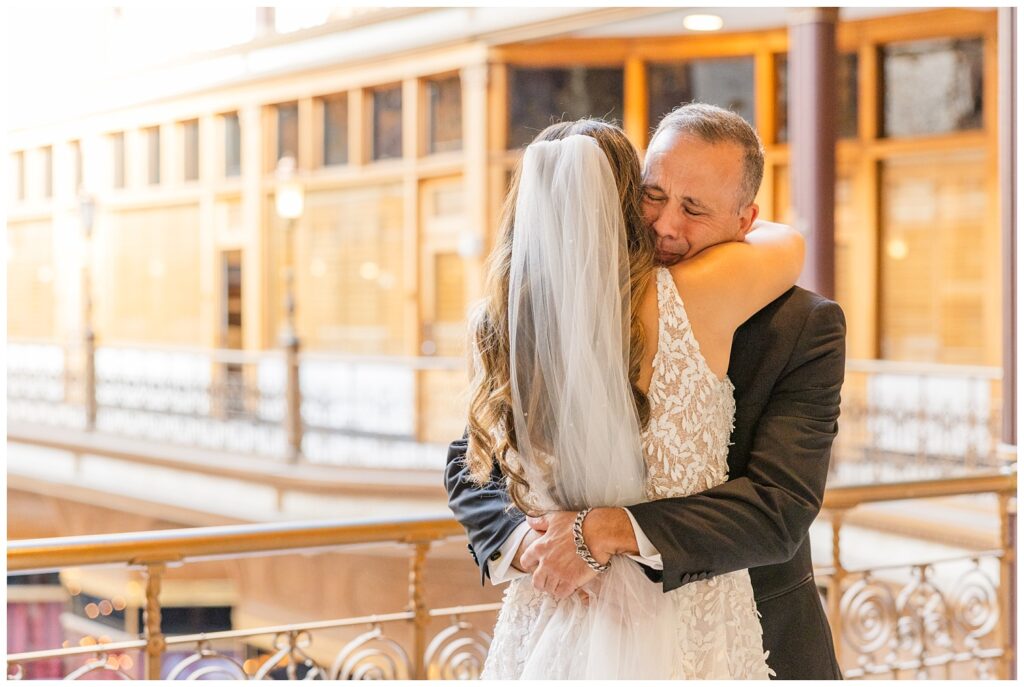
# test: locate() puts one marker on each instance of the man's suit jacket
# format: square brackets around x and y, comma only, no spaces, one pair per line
[787,365]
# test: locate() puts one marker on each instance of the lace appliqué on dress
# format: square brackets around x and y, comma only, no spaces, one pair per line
[686,447]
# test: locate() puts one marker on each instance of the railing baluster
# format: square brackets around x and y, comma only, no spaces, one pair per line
[419,607]
[835,584]
[155,642]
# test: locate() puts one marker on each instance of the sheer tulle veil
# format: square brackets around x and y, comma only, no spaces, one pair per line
[576,424]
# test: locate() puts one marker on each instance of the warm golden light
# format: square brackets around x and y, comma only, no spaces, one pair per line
[88,640]
[703,22]
[897,249]
[93,611]
[289,198]
[106,608]
[126,662]
[119,603]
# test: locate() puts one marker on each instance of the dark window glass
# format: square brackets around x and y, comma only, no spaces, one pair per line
[444,114]
[190,134]
[387,123]
[846,76]
[117,150]
[47,171]
[232,145]
[76,155]
[336,129]
[153,155]
[727,82]
[538,98]
[932,86]
[288,131]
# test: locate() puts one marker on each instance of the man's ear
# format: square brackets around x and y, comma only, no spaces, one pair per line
[747,218]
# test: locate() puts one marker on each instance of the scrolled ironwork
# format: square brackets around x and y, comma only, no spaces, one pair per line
[102,662]
[290,646]
[457,652]
[869,616]
[204,652]
[975,603]
[372,656]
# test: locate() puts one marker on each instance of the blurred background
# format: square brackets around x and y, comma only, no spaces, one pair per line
[241,244]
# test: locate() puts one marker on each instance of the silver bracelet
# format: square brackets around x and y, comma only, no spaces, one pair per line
[581,546]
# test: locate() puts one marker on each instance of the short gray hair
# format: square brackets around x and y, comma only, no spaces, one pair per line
[716,125]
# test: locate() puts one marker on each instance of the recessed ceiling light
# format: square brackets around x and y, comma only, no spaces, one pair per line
[703,22]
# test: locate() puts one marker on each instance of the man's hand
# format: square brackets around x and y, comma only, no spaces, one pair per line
[552,559]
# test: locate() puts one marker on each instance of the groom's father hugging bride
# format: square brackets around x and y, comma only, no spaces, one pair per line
[787,365]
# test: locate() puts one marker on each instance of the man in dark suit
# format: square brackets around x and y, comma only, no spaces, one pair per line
[787,365]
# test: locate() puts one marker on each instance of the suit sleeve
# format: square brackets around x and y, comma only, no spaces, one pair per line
[481,510]
[763,517]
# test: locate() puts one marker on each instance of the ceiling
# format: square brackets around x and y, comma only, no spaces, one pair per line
[735,19]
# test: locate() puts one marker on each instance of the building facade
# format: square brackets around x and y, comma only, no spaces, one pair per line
[405,125]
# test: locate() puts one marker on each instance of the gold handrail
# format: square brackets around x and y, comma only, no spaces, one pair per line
[194,543]
[846,497]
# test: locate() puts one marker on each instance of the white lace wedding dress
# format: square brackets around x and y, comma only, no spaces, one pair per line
[686,444]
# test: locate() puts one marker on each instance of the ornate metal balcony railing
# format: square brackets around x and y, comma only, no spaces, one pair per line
[899,420]
[354,410]
[946,618]
[903,421]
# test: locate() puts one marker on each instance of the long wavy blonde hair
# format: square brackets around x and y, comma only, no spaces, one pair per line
[491,431]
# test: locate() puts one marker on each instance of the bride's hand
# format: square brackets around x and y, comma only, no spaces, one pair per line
[552,559]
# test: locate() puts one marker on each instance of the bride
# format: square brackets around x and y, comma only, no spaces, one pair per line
[592,387]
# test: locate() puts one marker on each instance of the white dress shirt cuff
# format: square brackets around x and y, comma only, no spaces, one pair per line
[649,555]
[501,570]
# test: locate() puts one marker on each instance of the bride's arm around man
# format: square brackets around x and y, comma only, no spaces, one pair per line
[787,364]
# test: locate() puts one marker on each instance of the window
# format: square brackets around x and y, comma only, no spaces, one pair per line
[846,76]
[932,86]
[539,97]
[232,145]
[47,159]
[933,272]
[336,129]
[153,155]
[117,152]
[387,122]
[76,161]
[348,271]
[190,138]
[727,82]
[444,115]
[288,131]
[18,175]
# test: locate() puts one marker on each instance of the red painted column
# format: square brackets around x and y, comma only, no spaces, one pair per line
[812,115]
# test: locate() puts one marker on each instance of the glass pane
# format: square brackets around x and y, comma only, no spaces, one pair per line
[846,70]
[76,157]
[445,115]
[153,155]
[18,176]
[387,123]
[117,150]
[148,261]
[190,131]
[934,209]
[336,130]
[232,145]
[349,278]
[288,131]
[726,82]
[539,97]
[47,171]
[932,87]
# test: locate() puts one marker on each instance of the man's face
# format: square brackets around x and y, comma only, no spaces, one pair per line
[692,195]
